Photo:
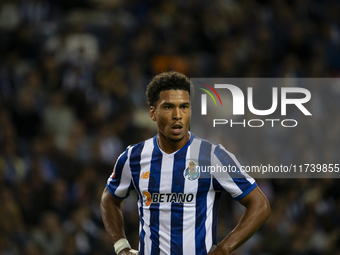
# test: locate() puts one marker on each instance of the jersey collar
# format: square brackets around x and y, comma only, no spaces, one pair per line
[191,138]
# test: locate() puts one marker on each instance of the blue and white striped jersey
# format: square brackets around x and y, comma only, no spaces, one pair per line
[178,205]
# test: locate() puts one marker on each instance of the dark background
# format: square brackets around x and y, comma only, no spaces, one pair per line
[72,81]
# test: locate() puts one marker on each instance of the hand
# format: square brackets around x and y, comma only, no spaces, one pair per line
[128,251]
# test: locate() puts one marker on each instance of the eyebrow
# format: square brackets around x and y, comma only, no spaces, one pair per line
[171,104]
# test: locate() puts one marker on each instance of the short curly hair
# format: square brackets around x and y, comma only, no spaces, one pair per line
[166,81]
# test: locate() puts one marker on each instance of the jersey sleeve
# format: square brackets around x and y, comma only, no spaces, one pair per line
[119,183]
[231,178]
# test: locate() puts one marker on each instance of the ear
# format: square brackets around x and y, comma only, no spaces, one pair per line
[153,113]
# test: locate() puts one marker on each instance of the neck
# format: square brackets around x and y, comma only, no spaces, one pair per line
[169,146]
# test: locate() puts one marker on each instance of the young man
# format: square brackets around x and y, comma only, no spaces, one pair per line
[177,207]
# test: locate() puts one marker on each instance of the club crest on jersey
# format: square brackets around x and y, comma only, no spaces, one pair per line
[191,173]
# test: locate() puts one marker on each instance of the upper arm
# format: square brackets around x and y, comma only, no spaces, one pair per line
[119,183]
[235,181]
[108,198]
[257,198]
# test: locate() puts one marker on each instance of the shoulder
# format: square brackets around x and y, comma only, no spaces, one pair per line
[131,154]
[217,150]
[196,139]
[203,142]
[136,149]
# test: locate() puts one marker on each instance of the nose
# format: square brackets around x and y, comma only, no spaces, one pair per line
[177,113]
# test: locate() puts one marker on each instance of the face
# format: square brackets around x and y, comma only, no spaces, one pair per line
[172,115]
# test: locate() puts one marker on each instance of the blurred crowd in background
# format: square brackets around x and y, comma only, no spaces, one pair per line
[73,75]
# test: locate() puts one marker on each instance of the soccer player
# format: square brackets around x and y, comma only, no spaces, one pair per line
[178,206]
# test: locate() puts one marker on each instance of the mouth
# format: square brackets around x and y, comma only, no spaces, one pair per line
[177,128]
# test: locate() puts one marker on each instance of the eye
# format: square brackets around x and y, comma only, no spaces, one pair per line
[185,107]
[167,107]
